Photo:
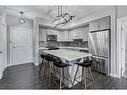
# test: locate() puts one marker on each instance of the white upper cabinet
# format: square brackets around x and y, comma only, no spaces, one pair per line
[100,24]
[65,35]
[51,32]
[77,33]
[85,33]
[42,34]
[59,36]
[70,35]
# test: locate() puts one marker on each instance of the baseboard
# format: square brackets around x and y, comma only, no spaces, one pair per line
[1,75]
[114,75]
[17,64]
[8,65]
[36,64]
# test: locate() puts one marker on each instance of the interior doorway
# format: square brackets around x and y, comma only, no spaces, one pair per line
[20,46]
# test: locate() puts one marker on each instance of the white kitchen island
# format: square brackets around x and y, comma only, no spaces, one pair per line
[70,57]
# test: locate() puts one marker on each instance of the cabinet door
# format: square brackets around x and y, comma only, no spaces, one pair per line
[100,24]
[59,36]
[74,34]
[48,32]
[80,34]
[85,33]
[65,36]
[70,35]
[93,25]
[104,23]
[54,32]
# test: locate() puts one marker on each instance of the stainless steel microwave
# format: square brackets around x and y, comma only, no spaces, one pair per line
[51,37]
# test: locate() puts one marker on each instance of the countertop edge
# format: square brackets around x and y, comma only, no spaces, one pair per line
[78,48]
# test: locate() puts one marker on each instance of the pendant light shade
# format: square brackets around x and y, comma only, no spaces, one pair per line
[62,18]
[21,19]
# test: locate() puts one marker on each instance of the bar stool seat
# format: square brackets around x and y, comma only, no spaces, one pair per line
[85,64]
[61,65]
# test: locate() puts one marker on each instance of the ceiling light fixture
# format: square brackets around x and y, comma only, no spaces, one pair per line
[21,19]
[62,18]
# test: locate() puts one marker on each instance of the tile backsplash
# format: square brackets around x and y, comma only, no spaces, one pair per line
[78,43]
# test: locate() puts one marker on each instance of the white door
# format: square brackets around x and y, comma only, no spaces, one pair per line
[123,33]
[3,45]
[1,50]
[122,45]
[20,46]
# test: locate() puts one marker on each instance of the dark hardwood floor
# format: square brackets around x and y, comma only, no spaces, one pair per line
[26,77]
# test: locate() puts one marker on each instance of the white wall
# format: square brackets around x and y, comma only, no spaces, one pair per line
[13,21]
[121,11]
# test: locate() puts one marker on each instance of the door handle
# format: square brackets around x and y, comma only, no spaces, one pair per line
[1,52]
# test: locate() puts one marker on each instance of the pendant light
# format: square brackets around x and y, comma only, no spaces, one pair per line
[21,19]
[62,18]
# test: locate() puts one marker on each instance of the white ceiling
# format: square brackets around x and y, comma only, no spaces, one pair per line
[50,12]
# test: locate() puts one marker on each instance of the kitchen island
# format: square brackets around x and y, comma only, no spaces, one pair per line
[69,57]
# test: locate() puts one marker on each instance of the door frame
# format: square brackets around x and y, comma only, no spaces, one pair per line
[10,51]
[120,55]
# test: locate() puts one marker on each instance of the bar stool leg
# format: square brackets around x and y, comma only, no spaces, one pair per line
[61,78]
[70,78]
[49,74]
[92,77]
[84,77]
[43,68]
[54,76]
[75,76]
[40,67]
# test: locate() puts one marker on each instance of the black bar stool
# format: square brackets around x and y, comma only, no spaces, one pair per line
[85,65]
[42,64]
[50,60]
[61,65]
[47,61]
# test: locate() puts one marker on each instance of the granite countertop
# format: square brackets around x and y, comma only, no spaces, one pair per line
[64,47]
[67,54]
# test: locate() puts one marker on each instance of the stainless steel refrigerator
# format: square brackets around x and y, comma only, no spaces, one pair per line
[99,47]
